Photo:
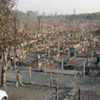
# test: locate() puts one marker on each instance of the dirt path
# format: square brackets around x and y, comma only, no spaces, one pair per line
[27,93]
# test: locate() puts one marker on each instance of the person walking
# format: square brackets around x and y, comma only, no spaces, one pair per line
[18,79]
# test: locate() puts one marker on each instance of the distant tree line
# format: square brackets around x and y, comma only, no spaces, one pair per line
[34,14]
[92,16]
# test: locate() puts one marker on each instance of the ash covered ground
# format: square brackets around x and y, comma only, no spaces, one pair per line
[40,90]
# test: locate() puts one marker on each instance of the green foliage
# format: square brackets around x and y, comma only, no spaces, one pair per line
[89,16]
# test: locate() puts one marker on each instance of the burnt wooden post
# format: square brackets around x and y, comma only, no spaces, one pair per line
[84,69]
[51,82]
[62,60]
[58,47]
[79,94]
[75,76]
[88,97]
[62,66]
[44,56]
[30,74]
[57,92]
[44,64]
[68,52]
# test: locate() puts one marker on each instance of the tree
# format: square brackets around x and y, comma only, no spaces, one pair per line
[6,33]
